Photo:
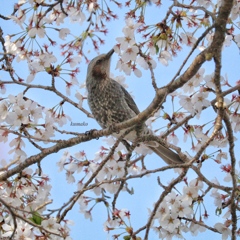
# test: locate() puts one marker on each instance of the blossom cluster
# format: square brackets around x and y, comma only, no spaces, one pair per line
[179,212]
[27,195]
[19,113]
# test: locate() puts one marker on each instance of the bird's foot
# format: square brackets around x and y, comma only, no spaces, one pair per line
[137,141]
[126,144]
[113,128]
[90,133]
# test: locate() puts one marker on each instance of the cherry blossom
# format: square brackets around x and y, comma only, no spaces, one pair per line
[8,230]
[63,33]
[4,109]
[226,232]
[186,103]
[127,40]
[143,63]
[76,15]
[165,57]
[24,231]
[51,225]
[20,18]
[39,31]
[188,38]
[123,67]
[130,54]
[199,101]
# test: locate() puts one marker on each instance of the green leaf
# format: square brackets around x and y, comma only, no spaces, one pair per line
[157,48]
[36,218]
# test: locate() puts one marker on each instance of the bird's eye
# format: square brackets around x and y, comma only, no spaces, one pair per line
[99,61]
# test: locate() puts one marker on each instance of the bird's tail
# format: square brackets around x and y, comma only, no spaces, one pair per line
[166,154]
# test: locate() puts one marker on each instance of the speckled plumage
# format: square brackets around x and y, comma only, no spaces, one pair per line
[110,103]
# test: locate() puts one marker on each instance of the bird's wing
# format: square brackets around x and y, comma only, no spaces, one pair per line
[129,100]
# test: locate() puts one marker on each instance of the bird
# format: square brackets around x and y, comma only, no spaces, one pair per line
[110,103]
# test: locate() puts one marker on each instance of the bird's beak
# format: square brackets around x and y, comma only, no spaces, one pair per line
[110,53]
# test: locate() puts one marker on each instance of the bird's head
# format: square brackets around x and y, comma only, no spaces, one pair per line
[99,67]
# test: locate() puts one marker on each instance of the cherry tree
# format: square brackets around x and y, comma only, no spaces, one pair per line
[186,52]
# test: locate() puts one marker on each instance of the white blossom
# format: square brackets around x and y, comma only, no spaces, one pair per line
[51,225]
[226,232]
[76,15]
[63,33]
[165,57]
[130,54]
